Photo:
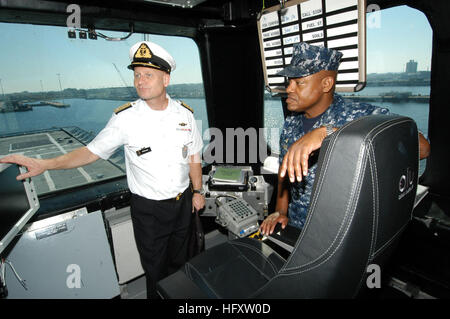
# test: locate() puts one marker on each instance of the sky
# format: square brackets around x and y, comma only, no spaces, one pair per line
[395,36]
[31,56]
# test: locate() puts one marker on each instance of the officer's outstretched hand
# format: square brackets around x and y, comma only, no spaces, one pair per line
[268,225]
[34,166]
[198,202]
[295,162]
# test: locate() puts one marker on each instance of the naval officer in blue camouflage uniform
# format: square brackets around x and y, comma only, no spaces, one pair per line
[316,111]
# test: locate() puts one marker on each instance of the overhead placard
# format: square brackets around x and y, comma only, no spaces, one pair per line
[334,24]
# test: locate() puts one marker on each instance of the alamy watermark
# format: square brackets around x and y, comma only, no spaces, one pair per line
[373,17]
[74,19]
[74,278]
[374,279]
[237,145]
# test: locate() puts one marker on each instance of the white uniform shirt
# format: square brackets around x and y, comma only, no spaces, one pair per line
[163,172]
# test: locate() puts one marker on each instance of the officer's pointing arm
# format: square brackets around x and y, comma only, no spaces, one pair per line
[79,157]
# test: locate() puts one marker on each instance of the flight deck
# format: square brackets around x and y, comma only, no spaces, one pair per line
[55,142]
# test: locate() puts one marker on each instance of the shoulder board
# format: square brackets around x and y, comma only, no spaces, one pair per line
[186,106]
[123,108]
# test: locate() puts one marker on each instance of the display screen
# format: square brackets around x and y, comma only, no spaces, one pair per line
[14,204]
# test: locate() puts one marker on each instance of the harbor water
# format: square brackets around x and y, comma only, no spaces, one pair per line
[92,115]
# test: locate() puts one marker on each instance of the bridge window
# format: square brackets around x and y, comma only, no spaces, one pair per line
[57,93]
[398,69]
[273,122]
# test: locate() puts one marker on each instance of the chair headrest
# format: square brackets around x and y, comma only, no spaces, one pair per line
[362,197]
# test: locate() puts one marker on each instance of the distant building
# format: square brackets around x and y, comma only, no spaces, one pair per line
[411,66]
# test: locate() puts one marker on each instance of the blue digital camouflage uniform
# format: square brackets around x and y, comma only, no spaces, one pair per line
[309,59]
[340,112]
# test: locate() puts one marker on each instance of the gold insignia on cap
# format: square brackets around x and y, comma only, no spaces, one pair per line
[143,52]
[182,124]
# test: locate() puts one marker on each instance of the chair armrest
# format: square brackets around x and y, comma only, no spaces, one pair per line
[285,238]
[179,286]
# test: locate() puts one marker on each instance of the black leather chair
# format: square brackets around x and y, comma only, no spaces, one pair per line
[362,200]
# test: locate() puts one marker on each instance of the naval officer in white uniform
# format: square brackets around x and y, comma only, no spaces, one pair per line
[162,155]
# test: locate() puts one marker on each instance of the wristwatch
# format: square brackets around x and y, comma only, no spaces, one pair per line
[200,191]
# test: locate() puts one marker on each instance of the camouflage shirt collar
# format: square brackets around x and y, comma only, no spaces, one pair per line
[328,117]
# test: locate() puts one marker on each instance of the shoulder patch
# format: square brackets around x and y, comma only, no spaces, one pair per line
[123,108]
[186,106]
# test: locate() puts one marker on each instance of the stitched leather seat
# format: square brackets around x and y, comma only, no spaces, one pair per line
[362,200]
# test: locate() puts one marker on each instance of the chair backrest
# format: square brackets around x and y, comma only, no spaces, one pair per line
[361,201]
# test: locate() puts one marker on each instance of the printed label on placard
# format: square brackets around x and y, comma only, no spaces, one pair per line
[271,33]
[319,44]
[289,14]
[333,5]
[274,62]
[342,30]
[312,24]
[351,53]
[311,8]
[272,53]
[291,40]
[346,86]
[269,20]
[271,44]
[349,65]
[276,80]
[342,17]
[290,29]
[273,71]
[288,51]
[342,42]
[313,36]
[347,77]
